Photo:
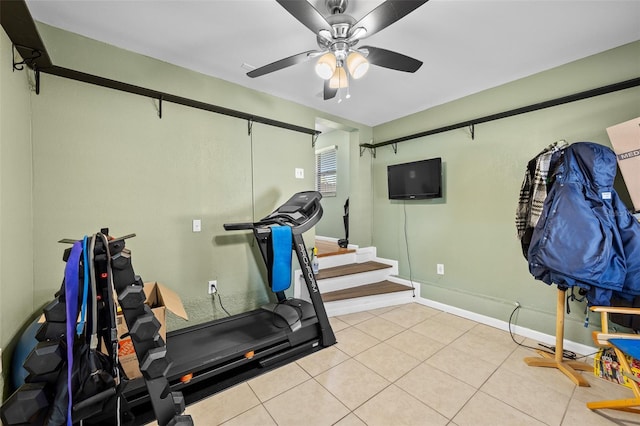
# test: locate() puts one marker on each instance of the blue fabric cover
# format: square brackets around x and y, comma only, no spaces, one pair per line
[628,346]
[281,241]
[586,237]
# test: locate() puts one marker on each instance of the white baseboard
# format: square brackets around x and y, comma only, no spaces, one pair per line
[548,339]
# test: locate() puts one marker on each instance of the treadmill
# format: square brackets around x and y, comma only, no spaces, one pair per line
[209,357]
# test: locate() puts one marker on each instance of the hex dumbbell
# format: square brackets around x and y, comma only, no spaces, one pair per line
[46,357]
[55,311]
[51,331]
[178,402]
[24,405]
[132,297]
[145,327]
[155,363]
[181,420]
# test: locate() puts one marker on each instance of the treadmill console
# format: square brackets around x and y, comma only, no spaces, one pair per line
[301,212]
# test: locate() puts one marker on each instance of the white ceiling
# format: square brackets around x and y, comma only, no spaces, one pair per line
[466,45]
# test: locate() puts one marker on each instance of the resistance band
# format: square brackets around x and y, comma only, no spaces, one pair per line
[71,284]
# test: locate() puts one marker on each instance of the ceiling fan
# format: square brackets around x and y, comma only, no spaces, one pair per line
[337,36]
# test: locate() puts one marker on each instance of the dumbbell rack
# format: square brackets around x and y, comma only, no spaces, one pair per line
[144,329]
[31,402]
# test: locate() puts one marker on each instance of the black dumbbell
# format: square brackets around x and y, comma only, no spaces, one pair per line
[178,402]
[181,420]
[51,331]
[56,311]
[145,327]
[155,363]
[24,405]
[132,297]
[46,357]
[48,378]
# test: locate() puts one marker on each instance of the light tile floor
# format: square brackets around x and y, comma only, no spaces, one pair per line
[413,365]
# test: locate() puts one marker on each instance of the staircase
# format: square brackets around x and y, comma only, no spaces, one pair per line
[354,279]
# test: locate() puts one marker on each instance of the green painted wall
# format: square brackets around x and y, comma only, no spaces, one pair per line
[332,223]
[471,230]
[104,158]
[16,233]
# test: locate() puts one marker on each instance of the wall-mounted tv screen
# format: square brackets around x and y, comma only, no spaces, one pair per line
[417,180]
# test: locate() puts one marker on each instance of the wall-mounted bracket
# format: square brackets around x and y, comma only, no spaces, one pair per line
[30,62]
[314,139]
[395,148]
[36,72]
[160,107]
[472,129]
[371,148]
[19,66]
[249,126]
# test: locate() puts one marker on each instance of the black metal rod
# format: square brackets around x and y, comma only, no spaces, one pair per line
[167,97]
[21,29]
[627,84]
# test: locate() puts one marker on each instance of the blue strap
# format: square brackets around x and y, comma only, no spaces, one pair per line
[628,346]
[281,241]
[85,291]
[71,284]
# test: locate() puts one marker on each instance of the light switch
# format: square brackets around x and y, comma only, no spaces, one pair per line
[196,225]
[299,173]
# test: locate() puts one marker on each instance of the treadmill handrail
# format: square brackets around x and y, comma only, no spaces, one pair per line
[301,212]
[252,225]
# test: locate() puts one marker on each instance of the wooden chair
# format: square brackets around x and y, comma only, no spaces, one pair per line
[623,344]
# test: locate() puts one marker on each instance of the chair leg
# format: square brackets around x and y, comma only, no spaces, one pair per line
[616,404]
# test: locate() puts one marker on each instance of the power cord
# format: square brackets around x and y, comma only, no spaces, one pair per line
[213,302]
[550,349]
[406,242]
[513,336]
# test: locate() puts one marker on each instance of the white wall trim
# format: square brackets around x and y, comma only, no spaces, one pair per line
[548,339]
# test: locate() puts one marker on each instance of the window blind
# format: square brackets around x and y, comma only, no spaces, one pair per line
[327,171]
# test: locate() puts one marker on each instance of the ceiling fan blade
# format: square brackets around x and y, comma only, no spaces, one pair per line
[393,60]
[282,63]
[386,14]
[329,93]
[308,15]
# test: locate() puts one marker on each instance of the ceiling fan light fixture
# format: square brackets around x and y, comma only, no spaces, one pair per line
[357,64]
[339,79]
[326,66]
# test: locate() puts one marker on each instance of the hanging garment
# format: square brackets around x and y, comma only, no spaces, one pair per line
[533,191]
[585,235]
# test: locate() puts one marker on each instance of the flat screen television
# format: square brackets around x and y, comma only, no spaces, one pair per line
[417,180]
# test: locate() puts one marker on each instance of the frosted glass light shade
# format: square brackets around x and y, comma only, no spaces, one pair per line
[326,66]
[357,64]
[339,79]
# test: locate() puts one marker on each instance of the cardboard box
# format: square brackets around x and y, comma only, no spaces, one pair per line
[159,298]
[625,139]
[606,366]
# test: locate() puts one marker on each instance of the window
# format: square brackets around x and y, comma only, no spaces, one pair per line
[327,170]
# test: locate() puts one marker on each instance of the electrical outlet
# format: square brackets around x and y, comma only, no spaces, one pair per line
[213,286]
[299,173]
[440,269]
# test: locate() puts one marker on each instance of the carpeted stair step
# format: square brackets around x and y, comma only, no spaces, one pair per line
[350,269]
[382,287]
